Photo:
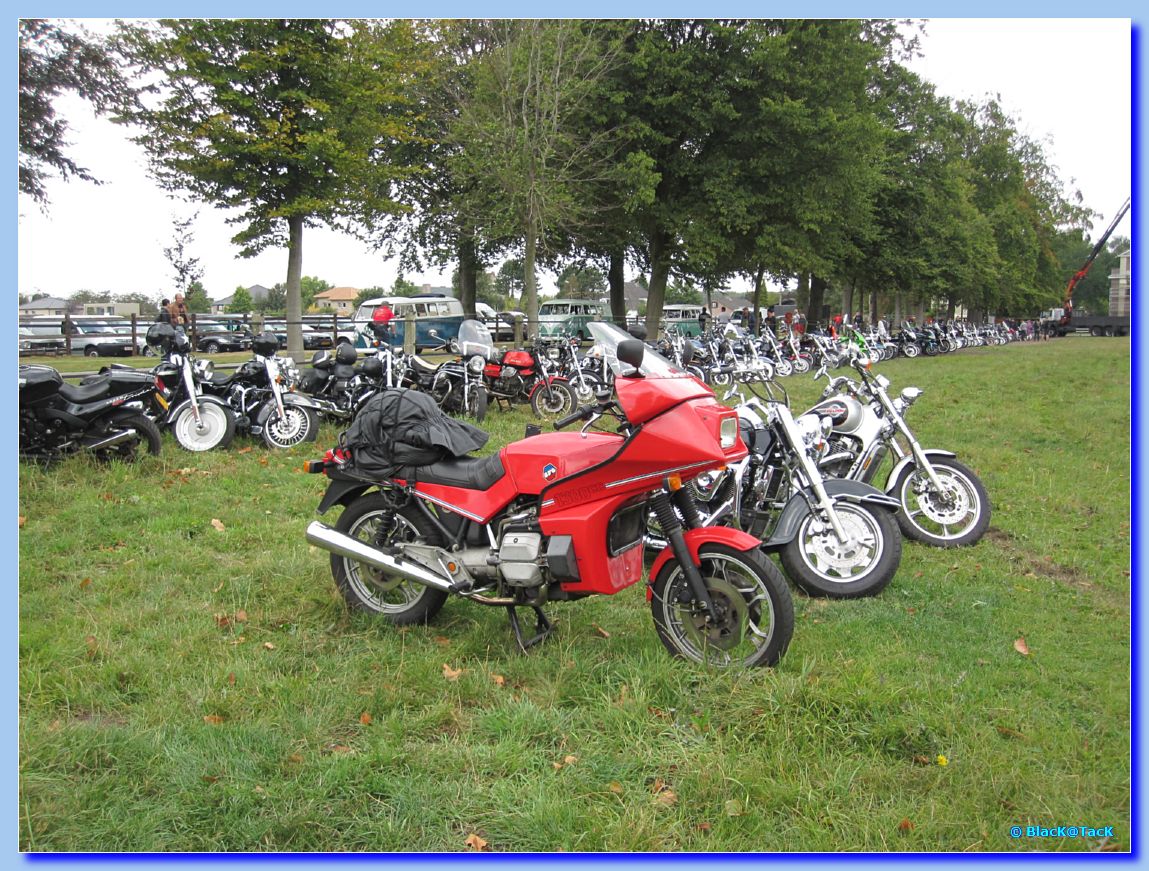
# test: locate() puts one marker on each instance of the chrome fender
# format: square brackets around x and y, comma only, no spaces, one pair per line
[839,490]
[695,538]
[908,460]
[201,399]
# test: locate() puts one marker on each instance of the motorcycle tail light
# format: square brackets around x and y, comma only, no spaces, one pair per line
[728,433]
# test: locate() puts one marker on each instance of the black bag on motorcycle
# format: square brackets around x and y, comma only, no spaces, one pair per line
[400,427]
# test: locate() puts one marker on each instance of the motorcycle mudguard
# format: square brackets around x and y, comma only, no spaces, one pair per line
[341,493]
[695,538]
[908,460]
[553,379]
[203,398]
[838,489]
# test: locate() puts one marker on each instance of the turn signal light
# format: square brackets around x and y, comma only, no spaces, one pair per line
[674,482]
[313,467]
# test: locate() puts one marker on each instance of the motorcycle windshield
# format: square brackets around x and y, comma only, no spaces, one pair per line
[607,338]
[475,338]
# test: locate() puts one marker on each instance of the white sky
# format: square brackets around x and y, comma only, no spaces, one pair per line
[1066,81]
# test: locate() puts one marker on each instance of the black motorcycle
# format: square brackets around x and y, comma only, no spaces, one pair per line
[57,419]
[338,385]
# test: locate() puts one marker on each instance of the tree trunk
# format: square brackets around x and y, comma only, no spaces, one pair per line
[848,300]
[873,307]
[530,292]
[294,287]
[468,267]
[817,296]
[757,299]
[802,295]
[659,273]
[616,279]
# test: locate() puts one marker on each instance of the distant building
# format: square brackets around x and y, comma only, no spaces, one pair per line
[258,294]
[45,307]
[340,300]
[427,290]
[51,306]
[1119,281]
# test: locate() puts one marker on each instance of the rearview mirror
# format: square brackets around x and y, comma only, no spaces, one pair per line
[631,352]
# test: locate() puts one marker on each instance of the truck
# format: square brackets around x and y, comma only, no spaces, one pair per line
[1063,320]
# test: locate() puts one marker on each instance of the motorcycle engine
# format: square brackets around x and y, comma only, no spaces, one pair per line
[509,383]
[519,559]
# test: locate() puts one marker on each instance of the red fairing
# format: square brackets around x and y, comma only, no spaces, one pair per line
[643,398]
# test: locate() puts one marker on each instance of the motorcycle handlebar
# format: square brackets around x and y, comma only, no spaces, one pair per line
[578,414]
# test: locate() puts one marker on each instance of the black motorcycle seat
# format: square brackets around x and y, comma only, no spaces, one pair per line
[470,473]
[86,392]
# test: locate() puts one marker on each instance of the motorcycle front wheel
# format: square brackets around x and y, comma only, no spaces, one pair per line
[755,613]
[296,425]
[800,364]
[215,429]
[911,350]
[957,517]
[366,588]
[822,565]
[477,400]
[553,400]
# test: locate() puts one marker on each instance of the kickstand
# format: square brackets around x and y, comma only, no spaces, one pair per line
[543,627]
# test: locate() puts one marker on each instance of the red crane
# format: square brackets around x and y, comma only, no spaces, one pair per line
[1080,273]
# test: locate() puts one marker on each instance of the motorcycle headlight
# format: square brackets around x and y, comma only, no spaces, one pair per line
[728,433]
[910,395]
[204,369]
[476,364]
[553,353]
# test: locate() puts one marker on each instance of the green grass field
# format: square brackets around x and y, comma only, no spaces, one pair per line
[190,679]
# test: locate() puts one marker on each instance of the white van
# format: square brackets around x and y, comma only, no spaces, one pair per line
[683,319]
[443,314]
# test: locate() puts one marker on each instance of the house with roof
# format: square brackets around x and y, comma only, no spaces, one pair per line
[47,306]
[340,300]
[258,294]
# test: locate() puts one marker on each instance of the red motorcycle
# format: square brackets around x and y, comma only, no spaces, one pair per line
[561,516]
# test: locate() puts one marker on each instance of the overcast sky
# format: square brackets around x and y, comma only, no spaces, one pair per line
[1066,81]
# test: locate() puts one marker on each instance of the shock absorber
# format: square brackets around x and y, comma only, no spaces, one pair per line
[687,507]
[672,529]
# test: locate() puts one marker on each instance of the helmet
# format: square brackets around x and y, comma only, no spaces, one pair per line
[265,344]
[161,337]
[345,354]
[181,342]
[373,367]
[319,358]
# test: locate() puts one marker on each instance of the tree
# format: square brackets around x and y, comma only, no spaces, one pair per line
[275,303]
[580,281]
[309,285]
[185,268]
[197,299]
[369,293]
[241,302]
[54,61]
[527,157]
[291,123]
[509,278]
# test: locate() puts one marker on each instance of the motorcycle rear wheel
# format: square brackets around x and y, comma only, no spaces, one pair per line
[216,429]
[957,521]
[147,437]
[297,425]
[755,610]
[911,350]
[816,560]
[366,588]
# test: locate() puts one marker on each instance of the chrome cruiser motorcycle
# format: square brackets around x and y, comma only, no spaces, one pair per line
[943,502]
[835,537]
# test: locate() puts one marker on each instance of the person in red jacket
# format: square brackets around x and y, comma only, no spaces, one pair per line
[381,322]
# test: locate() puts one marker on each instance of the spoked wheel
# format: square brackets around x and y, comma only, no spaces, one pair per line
[296,425]
[800,364]
[147,437]
[958,516]
[364,587]
[755,614]
[585,387]
[215,428]
[553,400]
[822,565]
[784,367]
[911,350]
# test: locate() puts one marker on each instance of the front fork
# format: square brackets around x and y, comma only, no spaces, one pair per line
[189,386]
[672,528]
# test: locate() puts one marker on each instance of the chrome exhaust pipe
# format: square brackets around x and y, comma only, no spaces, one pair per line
[322,535]
[111,440]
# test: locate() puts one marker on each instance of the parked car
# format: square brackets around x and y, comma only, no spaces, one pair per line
[215,336]
[313,339]
[32,342]
[100,340]
[502,325]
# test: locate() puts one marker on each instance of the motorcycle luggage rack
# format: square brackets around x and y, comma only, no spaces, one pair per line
[543,627]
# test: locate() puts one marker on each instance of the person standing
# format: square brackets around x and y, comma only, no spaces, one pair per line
[164,315]
[179,312]
[381,322]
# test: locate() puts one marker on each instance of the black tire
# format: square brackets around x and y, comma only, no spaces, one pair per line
[910,349]
[931,350]
[960,521]
[363,587]
[754,604]
[298,425]
[215,430]
[553,400]
[91,351]
[815,560]
[801,365]
[478,401]
[147,436]
[211,348]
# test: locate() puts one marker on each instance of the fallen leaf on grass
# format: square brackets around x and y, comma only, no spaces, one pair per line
[905,826]
[222,620]
[21,520]
[922,760]
[499,680]
[267,645]
[240,616]
[365,718]
[246,450]
[339,748]
[667,798]
[93,646]
[84,584]
[210,778]
[615,787]
[1006,732]
[1021,647]
[213,719]
[476,843]
[441,640]
[733,807]
[600,630]
[231,679]
[451,673]
[703,827]
[218,524]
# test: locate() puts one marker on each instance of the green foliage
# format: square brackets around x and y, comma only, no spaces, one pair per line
[275,303]
[196,298]
[309,285]
[580,281]
[403,287]
[186,270]
[56,60]
[241,302]
[369,293]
